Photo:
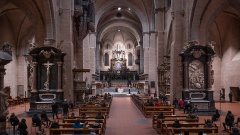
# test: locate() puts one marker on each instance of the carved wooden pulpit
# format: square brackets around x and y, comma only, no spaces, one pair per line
[197,75]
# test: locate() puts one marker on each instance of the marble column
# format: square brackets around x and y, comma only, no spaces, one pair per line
[59,88]
[34,79]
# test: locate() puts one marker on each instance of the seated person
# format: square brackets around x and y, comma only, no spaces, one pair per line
[14,119]
[149,103]
[44,118]
[215,116]
[22,127]
[84,116]
[180,104]
[161,116]
[36,121]
[99,116]
[229,120]
[102,103]
[176,124]
[72,116]
[85,126]
[96,125]
[235,131]
[55,125]
[77,124]
[208,123]
[157,103]
[192,115]
[195,109]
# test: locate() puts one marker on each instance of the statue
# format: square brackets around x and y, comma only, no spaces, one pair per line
[4,103]
[47,65]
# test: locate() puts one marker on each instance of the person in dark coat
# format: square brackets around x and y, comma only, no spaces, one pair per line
[215,116]
[176,123]
[55,109]
[22,127]
[36,121]
[44,118]
[14,119]
[65,108]
[230,96]
[175,103]
[55,125]
[99,116]
[229,120]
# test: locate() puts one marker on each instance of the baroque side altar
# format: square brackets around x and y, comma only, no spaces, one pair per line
[46,75]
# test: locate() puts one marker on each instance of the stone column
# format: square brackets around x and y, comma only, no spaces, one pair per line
[2,116]
[34,79]
[98,56]
[178,38]
[141,58]
[185,73]
[59,88]
[94,84]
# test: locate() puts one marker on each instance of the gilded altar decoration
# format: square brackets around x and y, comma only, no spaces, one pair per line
[196,75]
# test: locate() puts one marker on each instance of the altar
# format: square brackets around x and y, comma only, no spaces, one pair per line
[120,90]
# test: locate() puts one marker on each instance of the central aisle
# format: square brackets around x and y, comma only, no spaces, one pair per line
[126,119]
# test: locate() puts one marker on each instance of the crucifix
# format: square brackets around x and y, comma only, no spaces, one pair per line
[47,65]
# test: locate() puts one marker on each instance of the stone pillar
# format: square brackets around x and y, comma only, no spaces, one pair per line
[98,56]
[94,76]
[2,116]
[34,79]
[59,88]
[178,38]
[146,84]
[185,72]
[141,58]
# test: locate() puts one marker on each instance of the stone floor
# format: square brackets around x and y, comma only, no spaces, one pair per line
[125,118]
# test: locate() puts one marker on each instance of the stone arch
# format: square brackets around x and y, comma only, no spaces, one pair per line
[136,10]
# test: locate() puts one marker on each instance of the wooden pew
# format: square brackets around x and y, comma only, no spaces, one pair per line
[165,125]
[155,118]
[213,129]
[69,125]
[153,110]
[171,120]
[71,130]
[88,119]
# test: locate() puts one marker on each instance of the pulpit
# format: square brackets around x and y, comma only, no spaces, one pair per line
[197,75]
[46,78]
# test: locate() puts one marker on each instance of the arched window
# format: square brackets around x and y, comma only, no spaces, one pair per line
[130,57]
[106,59]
